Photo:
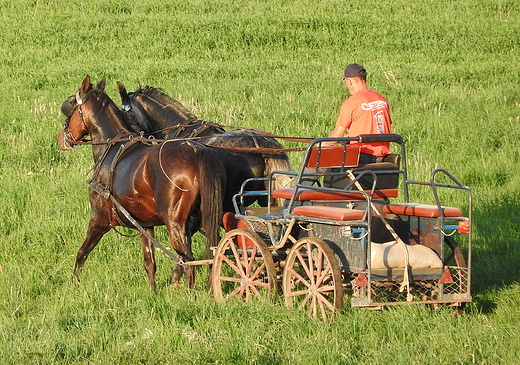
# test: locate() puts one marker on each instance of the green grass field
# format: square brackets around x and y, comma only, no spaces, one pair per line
[449,70]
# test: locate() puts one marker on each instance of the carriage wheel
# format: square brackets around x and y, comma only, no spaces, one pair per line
[312,279]
[243,267]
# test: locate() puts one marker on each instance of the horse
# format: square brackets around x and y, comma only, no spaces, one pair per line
[157,184]
[152,112]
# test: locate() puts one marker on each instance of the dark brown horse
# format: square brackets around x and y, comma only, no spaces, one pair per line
[157,185]
[152,112]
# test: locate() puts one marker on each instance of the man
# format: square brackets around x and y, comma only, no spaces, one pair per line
[364,112]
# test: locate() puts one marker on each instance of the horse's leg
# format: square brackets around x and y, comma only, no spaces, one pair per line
[181,242]
[179,269]
[149,258]
[94,234]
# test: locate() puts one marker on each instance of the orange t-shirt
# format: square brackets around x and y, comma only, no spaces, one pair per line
[366,112]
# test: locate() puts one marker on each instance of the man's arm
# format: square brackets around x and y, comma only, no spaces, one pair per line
[338,131]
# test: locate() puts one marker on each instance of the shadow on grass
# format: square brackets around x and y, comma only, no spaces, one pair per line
[496,250]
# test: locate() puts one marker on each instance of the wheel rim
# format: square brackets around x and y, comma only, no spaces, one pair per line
[243,268]
[313,281]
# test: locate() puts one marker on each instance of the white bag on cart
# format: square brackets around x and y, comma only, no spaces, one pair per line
[390,255]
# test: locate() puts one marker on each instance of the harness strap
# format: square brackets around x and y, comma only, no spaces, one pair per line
[105,193]
[123,149]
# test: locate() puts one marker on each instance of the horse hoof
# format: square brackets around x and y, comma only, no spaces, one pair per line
[175,286]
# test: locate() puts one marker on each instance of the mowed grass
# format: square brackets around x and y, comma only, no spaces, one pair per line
[449,70]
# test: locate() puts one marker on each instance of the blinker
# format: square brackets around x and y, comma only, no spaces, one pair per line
[67,108]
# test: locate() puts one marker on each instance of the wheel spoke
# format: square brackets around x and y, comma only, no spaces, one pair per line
[326,273]
[238,290]
[303,263]
[232,265]
[310,260]
[306,299]
[322,310]
[258,271]
[312,307]
[259,284]
[324,300]
[298,293]
[326,289]
[249,261]
[229,279]
[253,288]
[247,289]
[300,278]
[236,256]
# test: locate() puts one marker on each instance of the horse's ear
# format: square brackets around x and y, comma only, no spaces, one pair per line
[102,84]
[85,86]
[122,92]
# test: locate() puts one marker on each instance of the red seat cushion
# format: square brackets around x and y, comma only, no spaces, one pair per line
[334,213]
[421,210]
[317,195]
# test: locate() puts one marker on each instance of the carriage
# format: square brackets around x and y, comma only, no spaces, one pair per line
[338,228]
[348,229]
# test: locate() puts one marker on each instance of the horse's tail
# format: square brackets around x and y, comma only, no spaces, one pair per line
[212,188]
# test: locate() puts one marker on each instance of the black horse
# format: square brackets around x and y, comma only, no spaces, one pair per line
[246,153]
[157,185]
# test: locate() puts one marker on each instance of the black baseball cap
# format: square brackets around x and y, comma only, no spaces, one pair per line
[354,70]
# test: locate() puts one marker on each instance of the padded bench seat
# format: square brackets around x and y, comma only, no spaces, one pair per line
[421,210]
[306,194]
[333,213]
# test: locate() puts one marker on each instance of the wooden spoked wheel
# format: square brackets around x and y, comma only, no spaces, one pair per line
[312,279]
[243,267]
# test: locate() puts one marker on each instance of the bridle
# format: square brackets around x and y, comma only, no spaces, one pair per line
[69,107]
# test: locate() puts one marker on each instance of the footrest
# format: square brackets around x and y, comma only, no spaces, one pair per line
[332,213]
[271,217]
[421,210]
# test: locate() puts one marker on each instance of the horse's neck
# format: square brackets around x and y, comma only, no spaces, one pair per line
[166,112]
[105,128]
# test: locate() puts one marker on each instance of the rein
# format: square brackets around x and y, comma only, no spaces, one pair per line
[233,149]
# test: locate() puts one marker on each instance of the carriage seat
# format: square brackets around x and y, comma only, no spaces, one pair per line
[309,194]
[330,213]
[421,210]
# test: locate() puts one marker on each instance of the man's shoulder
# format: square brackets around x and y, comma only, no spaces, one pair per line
[366,95]
[372,94]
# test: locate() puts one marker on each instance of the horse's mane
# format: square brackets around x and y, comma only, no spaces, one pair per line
[106,104]
[166,101]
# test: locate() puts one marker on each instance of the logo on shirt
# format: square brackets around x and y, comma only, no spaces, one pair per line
[379,118]
[374,105]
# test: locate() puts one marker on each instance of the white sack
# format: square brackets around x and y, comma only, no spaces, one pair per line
[390,255]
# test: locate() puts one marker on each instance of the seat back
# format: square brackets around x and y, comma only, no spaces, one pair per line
[333,156]
[387,174]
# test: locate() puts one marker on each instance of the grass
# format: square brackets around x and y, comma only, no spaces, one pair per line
[448,70]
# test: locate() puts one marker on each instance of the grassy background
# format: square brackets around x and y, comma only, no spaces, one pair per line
[449,70]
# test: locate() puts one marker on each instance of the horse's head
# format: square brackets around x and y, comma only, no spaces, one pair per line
[152,110]
[80,110]
[133,112]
